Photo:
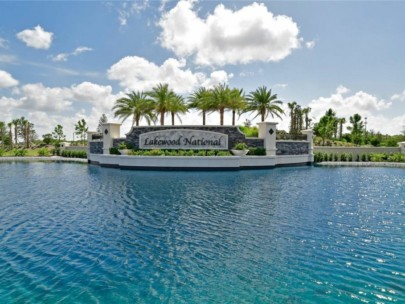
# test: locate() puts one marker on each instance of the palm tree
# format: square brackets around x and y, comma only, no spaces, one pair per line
[16,123]
[342,121]
[306,111]
[264,103]
[221,100]
[201,99]
[291,106]
[237,102]
[81,129]
[161,95]
[136,104]
[176,107]
[2,133]
[10,133]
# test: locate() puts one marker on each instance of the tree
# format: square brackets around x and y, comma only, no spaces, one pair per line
[264,103]
[47,138]
[10,133]
[308,120]
[137,105]
[291,106]
[161,96]
[58,134]
[81,129]
[342,121]
[103,119]
[16,123]
[177,107]
[2,133]
[356,128]
[237,102]
[220,100]
[201,99]
[324,128]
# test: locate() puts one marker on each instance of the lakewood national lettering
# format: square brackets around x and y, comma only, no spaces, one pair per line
[182,141]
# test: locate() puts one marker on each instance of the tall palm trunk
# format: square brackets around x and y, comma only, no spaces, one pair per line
[162,118]
[16,134]
[233,117]
[203,115]
[221,114]
[172,113]
[10,135]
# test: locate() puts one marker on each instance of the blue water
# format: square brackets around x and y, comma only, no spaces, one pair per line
[72,233]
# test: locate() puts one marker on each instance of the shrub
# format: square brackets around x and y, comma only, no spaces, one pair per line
[364,157]
[350,157]
[357,157]
[122,145]
[250,131]
[397,158]
[114,151]
[257,151]
[43,152]
[19,152]
[318,157]
[330,157]
[74,154]
[343,157]
[211,153]
[241,146]
[336,157]
[224,153]
[1,152]
[55,151]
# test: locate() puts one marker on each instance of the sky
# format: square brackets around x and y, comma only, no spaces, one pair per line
[62,61]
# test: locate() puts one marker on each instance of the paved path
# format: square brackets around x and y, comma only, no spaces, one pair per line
[362,164]
[43,158]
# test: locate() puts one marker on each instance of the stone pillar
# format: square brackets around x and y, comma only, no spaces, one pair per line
[267,131]
[110,131]
[310,139]
[402,146]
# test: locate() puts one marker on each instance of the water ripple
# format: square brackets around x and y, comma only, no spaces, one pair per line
[84,234]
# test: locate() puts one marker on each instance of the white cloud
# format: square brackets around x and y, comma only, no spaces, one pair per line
[36,38]
[8,59]
[64,56]
[363,103]
[60,57]
[281,85]
[137,73]
[216,77]
[99,96]
[310,44]
[6,80]
[3,43]
[38,97]
[398,97]
[81,49]
[249,34]
[129,9]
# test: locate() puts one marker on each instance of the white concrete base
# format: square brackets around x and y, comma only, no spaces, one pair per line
[294,159]
[197,162]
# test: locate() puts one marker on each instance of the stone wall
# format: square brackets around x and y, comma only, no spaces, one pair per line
[96,147]
[292,147]
[234,135]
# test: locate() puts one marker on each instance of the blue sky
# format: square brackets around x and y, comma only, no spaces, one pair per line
[63,61]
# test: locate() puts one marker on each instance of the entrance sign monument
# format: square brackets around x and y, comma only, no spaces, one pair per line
[183,139]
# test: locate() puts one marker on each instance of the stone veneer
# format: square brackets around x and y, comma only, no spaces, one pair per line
[96,147]
[292,147]
[234,135]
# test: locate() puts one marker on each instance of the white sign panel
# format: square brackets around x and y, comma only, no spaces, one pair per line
[183,139]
